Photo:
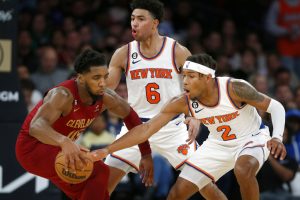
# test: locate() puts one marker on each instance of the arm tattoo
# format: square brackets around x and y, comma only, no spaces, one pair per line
[246,91]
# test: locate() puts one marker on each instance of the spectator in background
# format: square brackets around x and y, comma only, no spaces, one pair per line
[58,42]
[40,32]
[297,97]
[68,24]
[213,43]
[26,51]
[273,63]
[283,22]
[248,65]
[72,47]
[283,76]
[284,94]
[48,74]
[231,42]
[293,139]
[274,173]
[97,136]
[31,95]
[253,42]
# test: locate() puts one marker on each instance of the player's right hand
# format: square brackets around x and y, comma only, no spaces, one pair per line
[194,126]
[74,157]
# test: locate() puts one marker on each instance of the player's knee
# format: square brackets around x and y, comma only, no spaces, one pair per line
[174,193]
[244,171]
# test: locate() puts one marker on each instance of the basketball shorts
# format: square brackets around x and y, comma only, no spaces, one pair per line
[38,158]
[170,142]
[215,158]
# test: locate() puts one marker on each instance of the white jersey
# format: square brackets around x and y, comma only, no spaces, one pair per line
[225,120]
[151,82]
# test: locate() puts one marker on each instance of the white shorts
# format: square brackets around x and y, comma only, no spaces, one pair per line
[170,142]
[215,158]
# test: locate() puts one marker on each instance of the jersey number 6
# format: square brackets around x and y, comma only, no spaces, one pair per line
[153,97]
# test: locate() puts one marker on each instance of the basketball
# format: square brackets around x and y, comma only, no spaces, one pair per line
[67,175]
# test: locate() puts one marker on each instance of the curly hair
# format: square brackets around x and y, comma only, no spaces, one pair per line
[87,59]
[155,7]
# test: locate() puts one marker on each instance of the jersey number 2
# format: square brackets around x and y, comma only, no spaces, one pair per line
[226,133]
[152,95]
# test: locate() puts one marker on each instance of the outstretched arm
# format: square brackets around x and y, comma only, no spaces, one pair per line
[142,132]
[121,108]
[242,92]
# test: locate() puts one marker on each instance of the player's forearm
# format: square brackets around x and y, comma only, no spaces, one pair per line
[42,131]
[132,120]
[135,136]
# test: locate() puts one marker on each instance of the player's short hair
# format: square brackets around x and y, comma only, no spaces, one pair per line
[155,7]
[203,59]
[88,59]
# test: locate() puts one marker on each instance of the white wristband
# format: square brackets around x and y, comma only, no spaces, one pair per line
[278,118]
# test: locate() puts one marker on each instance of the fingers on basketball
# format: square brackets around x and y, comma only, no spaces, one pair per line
[71,176]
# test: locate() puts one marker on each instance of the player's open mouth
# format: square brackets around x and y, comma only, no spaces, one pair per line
[186,91]
[133,32]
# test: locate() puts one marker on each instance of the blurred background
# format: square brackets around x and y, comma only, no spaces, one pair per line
[256,40]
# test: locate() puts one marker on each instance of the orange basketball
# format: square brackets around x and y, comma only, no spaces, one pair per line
[67,175]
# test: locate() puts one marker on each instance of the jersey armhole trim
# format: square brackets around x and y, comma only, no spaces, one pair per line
[128,59]
[173,57]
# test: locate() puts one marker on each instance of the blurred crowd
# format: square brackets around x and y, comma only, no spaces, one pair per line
[251,40]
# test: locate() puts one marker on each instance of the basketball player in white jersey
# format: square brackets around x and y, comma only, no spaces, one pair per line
[238,139]
[152,66]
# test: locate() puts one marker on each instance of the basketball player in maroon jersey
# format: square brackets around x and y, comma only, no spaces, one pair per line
[58,120]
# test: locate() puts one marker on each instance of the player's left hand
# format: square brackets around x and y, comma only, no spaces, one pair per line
[277,148]
[146,170]
[194,126]
[98,154]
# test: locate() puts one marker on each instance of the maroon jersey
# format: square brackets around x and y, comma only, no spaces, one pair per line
[38,158]
[73,124]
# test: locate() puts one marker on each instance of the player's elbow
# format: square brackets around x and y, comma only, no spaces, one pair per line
[33,129]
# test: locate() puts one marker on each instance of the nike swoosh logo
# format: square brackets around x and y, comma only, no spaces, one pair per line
[135,61]
[255,134]
[178,123]
[196,111]
[75,109]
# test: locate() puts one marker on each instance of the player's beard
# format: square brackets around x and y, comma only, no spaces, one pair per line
[95,97]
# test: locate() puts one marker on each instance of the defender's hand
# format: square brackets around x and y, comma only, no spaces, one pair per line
[194,127]
[99,154]
[146,170]
[276,148]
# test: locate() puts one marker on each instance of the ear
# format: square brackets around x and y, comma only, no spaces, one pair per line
[80,78]
[155,24]
[209,77]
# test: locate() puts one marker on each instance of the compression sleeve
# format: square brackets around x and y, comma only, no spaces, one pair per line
[278,118]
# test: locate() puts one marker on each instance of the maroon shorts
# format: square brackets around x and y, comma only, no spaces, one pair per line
[38,158]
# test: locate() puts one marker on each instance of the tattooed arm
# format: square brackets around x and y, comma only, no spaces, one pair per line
[242,92]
